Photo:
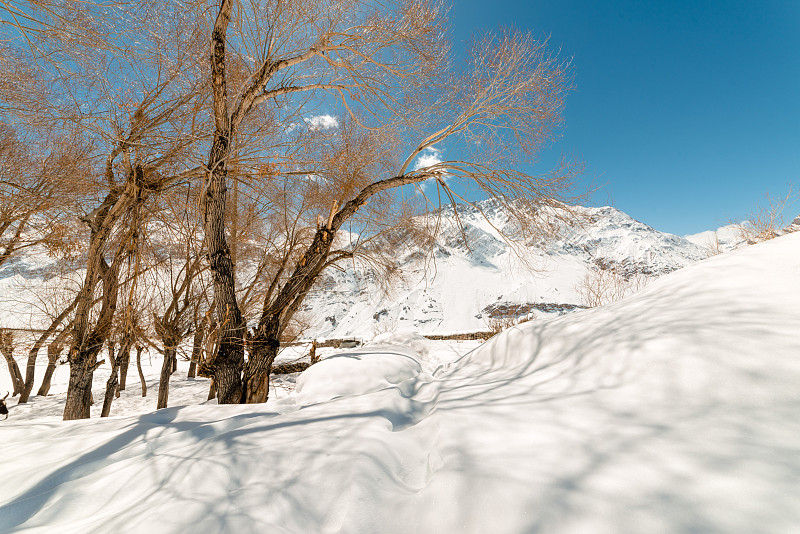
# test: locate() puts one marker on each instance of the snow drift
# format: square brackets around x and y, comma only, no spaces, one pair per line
[673,411]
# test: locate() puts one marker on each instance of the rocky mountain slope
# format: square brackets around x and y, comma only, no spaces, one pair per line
[463,288]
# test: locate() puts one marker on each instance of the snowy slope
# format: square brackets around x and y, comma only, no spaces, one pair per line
[672,411]
[464,285]
[724,239]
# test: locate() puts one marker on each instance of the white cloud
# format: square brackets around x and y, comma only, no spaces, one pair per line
[429,156]
[322,122]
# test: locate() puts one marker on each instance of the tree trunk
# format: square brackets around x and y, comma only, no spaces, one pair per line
[53,352]
[197,347]
[124,362]
[87,341]
[111,383]
[264,347]
[84,355]
[33,354]
[166,371]
[79,392]
[30,371]
[111,389]
[266,341]
[229,360]
[7,348]
[16,374]
[212,390]
[139,368]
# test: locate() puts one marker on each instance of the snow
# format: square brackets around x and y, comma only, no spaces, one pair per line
[728,237]
[671,411]
[432,297]
[355,373]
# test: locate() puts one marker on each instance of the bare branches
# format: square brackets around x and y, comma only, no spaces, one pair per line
[318,112]
[766,220]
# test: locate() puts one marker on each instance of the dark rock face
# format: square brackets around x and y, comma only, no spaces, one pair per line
[502,310]
[794,226]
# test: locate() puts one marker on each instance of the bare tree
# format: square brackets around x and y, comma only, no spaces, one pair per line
[130,88]
[148,106]
[34,193]
[175,322]
[7,348]
[766,221]
[388,67]
[506,106]
[603,284]
[363,53]
[54,350]
[33,354]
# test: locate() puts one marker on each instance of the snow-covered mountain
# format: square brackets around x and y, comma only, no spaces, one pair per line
[461,288]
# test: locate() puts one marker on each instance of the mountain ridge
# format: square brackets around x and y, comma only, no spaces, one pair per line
[430,299]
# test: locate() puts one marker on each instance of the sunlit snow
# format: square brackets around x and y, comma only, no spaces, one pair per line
[671,411]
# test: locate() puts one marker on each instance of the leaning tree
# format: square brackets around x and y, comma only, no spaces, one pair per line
[385,68]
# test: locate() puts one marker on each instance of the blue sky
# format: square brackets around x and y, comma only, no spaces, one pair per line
[688,112]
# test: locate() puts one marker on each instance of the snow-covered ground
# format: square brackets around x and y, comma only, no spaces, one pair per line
[671,411]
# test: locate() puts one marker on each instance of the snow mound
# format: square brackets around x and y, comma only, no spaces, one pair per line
[356,373]
[419,344]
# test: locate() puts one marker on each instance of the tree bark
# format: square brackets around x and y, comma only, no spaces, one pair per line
[7,348]
[111,383]
[139,368]
[229,360]
[30,372]
[16,374]
[124,362]
[166,372]
[79,392]
[264,347]
[53,352]
[83,363]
